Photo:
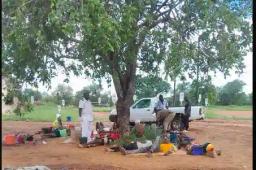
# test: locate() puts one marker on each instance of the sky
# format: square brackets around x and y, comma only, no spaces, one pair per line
[77,83]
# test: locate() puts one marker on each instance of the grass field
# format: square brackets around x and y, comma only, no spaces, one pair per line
[232,108]
[47,112]
[212,112]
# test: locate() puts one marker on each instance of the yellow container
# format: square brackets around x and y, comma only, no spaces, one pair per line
[55,124]
[165,147]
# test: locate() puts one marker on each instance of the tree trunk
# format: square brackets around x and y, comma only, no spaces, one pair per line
[174,92]
[123,118]
[197,73]
[124,101]
[125,89]
[197,84]
[124,81]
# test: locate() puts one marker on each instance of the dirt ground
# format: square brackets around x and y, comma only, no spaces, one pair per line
[234,138]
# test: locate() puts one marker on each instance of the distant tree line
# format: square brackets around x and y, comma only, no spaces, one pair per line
[229,94]
[64,92]
[149,86]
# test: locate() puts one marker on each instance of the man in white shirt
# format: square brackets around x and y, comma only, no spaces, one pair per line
[86,116]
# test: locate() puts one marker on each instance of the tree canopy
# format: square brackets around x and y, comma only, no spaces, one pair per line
[112,39]
[94,90]
[232,93]
[150,86]
[63,92]
[30,92]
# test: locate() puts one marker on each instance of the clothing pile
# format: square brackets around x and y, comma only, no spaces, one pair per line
[101,136]
[145,139]
[58,129]
[20,138]
[52,132]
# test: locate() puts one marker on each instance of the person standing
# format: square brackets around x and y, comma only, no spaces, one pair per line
[163,115]
[161,104]
[187,112]
[86,116]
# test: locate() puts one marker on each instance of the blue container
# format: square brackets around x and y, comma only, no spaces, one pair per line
[69,118]
[197,150]
[173,137]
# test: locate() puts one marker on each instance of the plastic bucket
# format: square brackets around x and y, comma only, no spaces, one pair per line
[70,126]
[10,139]
[63,132]
[165,147]
[173,137]
[69,118]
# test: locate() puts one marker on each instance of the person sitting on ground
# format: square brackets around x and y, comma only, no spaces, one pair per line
[136,141]
[99,126]
[166,147]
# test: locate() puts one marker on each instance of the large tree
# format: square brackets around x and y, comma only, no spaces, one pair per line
[63,92]
[205,88]
[217,41]
[30,92]
[232,93]
[112,39]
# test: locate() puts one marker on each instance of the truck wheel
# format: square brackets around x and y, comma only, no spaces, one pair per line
[177,124]
[113,118]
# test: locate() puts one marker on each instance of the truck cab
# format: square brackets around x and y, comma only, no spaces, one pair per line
[143,110]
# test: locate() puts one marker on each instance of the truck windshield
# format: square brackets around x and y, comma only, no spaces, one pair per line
[145,103]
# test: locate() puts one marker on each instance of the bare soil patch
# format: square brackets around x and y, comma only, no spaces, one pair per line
[234,138]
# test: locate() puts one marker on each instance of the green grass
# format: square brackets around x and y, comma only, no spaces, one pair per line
[102,109]
[212,112]
[47,112]
[232,108]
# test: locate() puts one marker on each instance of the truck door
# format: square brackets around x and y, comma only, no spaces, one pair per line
[142,111]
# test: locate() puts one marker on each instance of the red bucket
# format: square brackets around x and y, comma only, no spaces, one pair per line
[10,139]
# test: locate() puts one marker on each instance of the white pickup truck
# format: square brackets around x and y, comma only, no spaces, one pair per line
[143,110]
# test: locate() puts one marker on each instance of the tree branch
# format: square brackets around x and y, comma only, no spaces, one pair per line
[171,7]
[72,39]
